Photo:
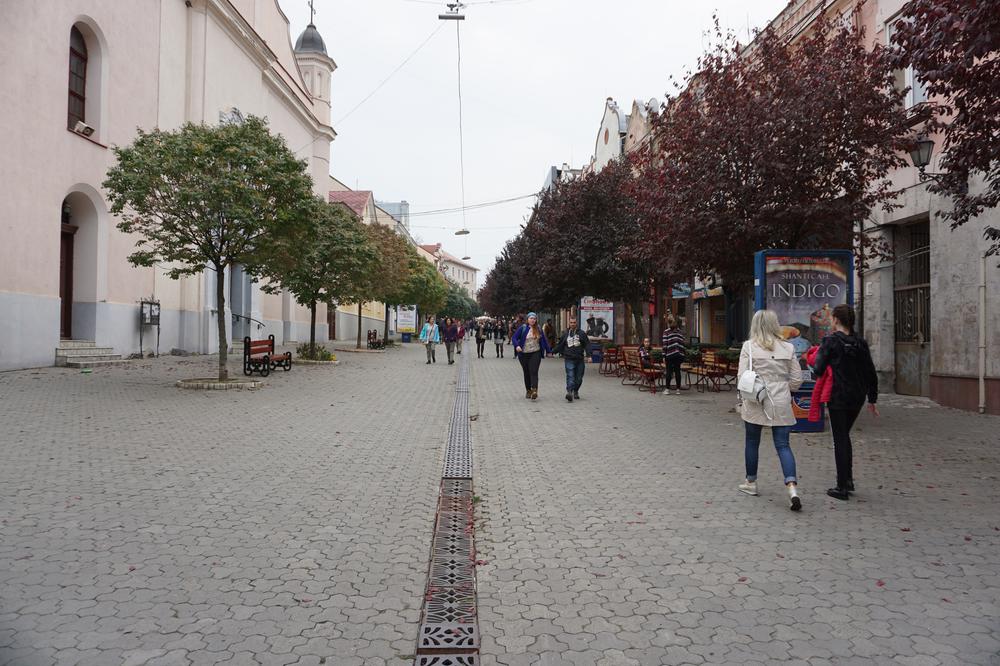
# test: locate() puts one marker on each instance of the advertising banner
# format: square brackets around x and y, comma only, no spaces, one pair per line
[597,318]
[406,318]
[802,287]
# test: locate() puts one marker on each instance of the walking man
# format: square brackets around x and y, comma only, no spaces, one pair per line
[573,346]
[430,335]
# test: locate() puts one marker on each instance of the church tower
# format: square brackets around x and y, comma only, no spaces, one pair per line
[317,67]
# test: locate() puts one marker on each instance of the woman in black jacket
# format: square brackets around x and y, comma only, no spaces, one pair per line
[854,380]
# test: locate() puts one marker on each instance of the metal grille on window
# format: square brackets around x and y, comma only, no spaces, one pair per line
[912,284]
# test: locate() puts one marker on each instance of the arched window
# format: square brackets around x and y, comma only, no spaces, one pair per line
[77,78]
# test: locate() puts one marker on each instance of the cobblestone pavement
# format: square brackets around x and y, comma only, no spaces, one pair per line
[614,534]
[145,524]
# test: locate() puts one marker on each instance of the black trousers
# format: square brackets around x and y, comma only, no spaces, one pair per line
[480,346]
[841,422]
[674,370]
[499,346]
[529,366]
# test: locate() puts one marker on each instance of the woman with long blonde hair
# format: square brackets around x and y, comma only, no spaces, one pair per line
[774,361]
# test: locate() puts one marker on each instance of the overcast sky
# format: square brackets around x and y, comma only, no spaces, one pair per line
[535,75]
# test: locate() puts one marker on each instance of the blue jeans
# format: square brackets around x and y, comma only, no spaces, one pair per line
[574,374]
[780,436]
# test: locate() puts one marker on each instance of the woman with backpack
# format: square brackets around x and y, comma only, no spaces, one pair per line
[768,373]
[529,345]
[854,380]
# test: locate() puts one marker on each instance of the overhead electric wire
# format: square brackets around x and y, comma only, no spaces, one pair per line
[458,209]
[391,74]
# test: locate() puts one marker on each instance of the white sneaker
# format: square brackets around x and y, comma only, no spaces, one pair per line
[678,391]
[749,487]
[794,502]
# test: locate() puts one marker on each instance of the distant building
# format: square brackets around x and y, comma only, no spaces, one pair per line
[454,269]
[562,174]
[400,210]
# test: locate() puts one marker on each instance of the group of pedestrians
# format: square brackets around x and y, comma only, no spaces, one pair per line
[768,374]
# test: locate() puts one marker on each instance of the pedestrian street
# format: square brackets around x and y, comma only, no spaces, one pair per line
[145,524]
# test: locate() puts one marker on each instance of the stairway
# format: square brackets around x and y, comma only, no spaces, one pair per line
[85,354]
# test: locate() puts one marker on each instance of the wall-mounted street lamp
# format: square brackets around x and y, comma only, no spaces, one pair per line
[920,155]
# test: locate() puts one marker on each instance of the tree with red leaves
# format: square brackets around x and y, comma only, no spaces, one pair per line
[777,145]
[954,45]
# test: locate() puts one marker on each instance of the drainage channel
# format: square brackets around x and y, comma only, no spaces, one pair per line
[449,628]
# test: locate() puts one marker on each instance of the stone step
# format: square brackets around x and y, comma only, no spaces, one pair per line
[76,344]
[74,361]
[83,351]
[96,363]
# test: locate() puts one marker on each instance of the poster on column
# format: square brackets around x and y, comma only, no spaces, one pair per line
[406,318]
[803,287]
[597,318]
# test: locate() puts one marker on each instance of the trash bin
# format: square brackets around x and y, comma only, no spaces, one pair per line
[406,337]
[595,353]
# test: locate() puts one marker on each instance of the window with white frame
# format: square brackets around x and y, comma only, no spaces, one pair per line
[907,78]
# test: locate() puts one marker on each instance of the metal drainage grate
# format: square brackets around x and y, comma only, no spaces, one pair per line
[449,631]
[470,659]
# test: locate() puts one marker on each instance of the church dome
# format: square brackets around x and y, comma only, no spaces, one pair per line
[310,41]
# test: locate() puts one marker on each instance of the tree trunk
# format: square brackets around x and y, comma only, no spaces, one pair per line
[220,309]
[385,336]
[312,329]
[689,322]
[359,325]
[636,306]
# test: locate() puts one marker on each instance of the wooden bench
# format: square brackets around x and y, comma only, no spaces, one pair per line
[712,371]
[373,340]
[259,356]
[610,362]
[645,378]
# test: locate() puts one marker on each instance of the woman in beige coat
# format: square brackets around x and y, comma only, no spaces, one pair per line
[774,362]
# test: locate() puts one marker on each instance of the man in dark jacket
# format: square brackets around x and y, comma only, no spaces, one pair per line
[573,346]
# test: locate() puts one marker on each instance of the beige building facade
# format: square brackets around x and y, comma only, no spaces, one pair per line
[144,63]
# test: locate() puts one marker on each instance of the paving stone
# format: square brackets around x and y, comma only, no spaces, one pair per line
[618,515]
[161,521]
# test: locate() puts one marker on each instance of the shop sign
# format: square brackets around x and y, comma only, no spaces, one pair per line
[406,318]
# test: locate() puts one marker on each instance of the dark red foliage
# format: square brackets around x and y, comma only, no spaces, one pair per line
[778,145]
[954,46]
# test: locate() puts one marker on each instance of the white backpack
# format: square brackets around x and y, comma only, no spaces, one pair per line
[752,387]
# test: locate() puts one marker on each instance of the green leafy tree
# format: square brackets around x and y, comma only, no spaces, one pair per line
[208,196]
[425,288]
[323,266]
[382,278]
[458,304]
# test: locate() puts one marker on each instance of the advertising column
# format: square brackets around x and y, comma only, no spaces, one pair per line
[597,318]
[802,287]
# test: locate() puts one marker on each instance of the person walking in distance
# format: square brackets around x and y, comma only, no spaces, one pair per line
[480,328]
[672,341]
[573,346]
[450,338]
[499,338]
[430,335]
[774,362]
[529,346]
[549,330]
[459,336]
[854,380]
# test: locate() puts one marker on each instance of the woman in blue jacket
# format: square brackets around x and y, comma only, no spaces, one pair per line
[529,344]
